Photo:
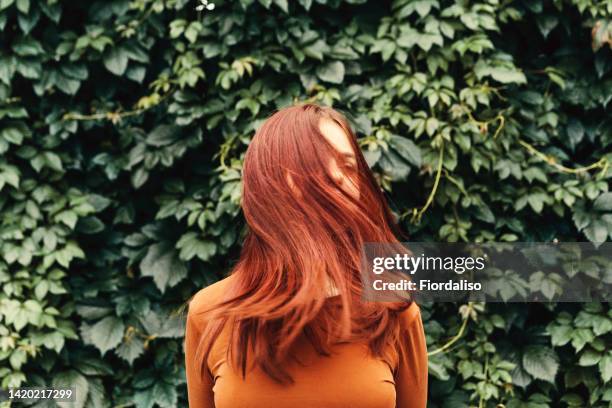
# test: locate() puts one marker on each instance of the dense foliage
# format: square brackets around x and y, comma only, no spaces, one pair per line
[122,128]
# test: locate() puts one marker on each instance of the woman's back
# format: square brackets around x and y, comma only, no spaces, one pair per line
[350,377]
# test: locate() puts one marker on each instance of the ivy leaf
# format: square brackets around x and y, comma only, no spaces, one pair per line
[508,76]
[575,133]
[572,400]
[605,367]
[116,60]
[580,337]
[97,396]
[27,47]
[165,394]
[541,362]
[393,165]
[23,6]
[406,149]
[306,4]
[99,202]
[162,263]
[559,334]
[163,135]
[438,370]
[331,72]
[596,232]
[589,358]
[53,161]
[106,334]
[603,202]
[90,225]
[145,398]
[131,349]
[372,156]
[190,245]
[73,378]
[546,23]
[12,135]
[93,367]
[139,177]
[283,4]
[67,217]
[162,325]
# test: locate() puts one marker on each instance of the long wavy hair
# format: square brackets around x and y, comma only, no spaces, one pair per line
[305,236]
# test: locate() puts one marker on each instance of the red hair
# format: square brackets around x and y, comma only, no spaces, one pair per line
[302,234]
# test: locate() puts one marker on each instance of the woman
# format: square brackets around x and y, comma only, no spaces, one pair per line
[288,327]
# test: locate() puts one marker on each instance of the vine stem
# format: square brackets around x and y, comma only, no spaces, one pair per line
[456,337]
[601,163]
[418,214]
[115,116]
[455,182]
[484,124]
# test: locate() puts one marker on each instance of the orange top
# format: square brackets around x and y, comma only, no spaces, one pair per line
[349,378]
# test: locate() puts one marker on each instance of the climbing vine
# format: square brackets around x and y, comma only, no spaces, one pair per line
[123,126]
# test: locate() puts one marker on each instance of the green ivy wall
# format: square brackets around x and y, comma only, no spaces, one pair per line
[122,129]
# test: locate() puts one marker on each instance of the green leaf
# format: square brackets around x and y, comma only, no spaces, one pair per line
[99,202]
[116,60]
[507,76]
[589,358]
[596,232]
[12,135]
[90,225]
[73,378]
[605,367]
[51,10]
[580,337]
[191,246]
[139,177]
[162,263]
[93,367]
[27,47]
[603,202]
[575,133]
[163,135]
[372,156]
[165,394]
[560,334]
[331,72]
[541,362]
[106,334]
[406,149]
[131,349]
[283,4]
[23,6]
[68,218]
[97,396]
[53,161]
[145,398]
[162,325]
[6,4]
[546,23]
[572,400]
[393,165]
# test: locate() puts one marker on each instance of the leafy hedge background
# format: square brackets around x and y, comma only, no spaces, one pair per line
[122,129]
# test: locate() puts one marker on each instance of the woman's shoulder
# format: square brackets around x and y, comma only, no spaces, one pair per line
[411,315]
[207,297]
